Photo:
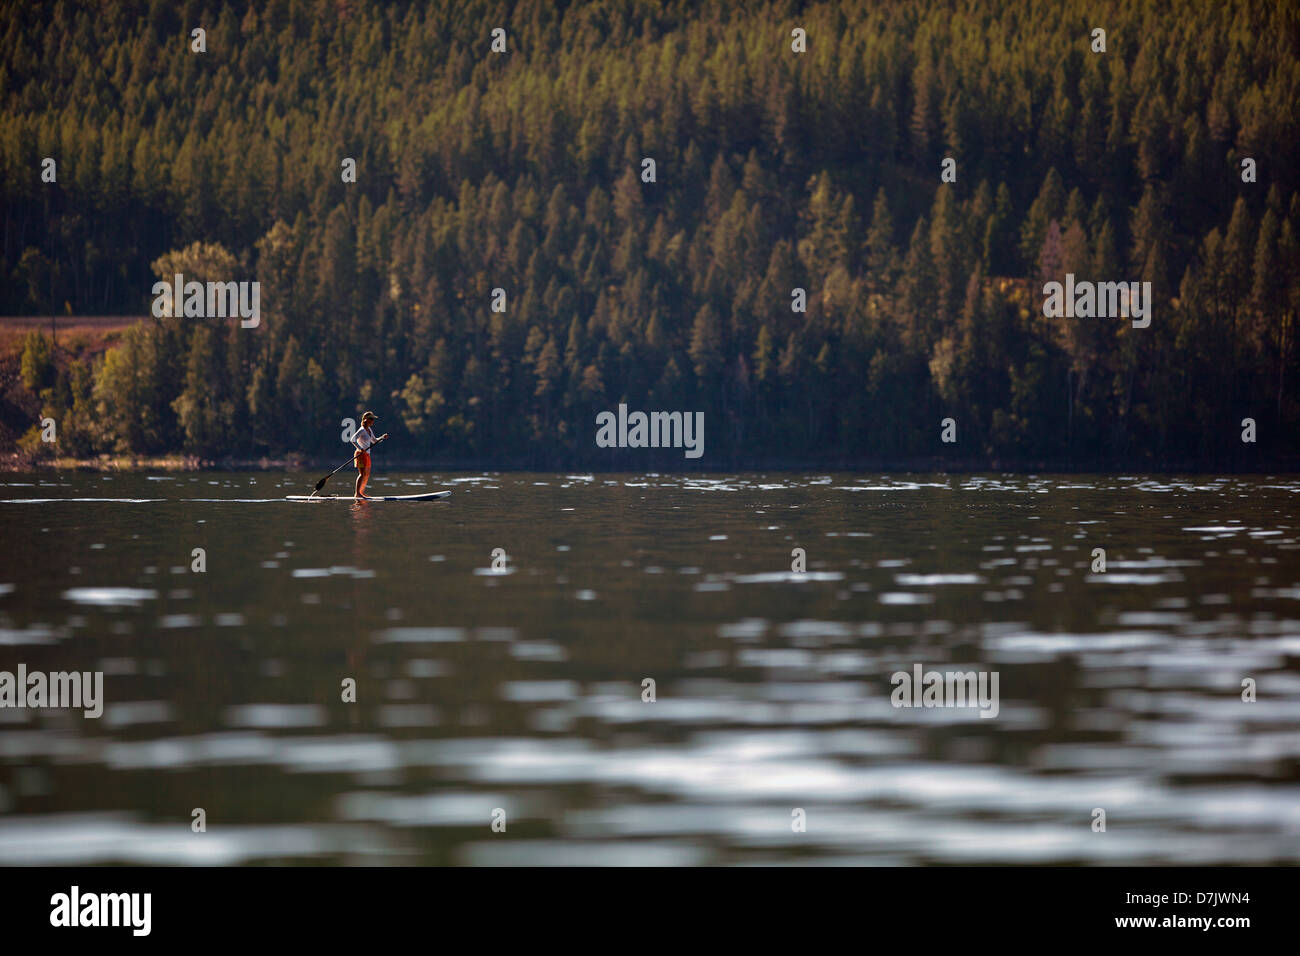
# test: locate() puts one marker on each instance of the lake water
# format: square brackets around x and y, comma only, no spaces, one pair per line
[521,689]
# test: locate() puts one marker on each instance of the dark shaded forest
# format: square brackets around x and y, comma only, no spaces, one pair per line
[773,171]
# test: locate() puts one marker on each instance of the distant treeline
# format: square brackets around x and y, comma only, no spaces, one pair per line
[774,171]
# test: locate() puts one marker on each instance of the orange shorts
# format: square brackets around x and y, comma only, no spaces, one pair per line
[361,459]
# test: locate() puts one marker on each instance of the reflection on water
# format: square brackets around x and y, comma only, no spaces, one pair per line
[484,687]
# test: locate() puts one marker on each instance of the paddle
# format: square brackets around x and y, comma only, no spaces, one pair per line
[321,484]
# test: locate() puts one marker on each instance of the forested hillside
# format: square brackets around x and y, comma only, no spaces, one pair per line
[773,171]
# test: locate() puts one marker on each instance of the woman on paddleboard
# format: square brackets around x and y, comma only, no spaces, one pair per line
[363,439]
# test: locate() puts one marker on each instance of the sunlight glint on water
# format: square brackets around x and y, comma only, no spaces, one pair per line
[478,689]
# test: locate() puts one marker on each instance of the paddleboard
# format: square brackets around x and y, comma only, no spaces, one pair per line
[430,496]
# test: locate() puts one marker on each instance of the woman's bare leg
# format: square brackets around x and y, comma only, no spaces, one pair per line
[363,475]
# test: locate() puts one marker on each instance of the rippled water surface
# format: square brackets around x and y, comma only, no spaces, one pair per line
[520,690]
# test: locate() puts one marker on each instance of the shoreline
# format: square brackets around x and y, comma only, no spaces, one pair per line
[104,464]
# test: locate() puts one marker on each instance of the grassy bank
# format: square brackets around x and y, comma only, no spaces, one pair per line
[106,463]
